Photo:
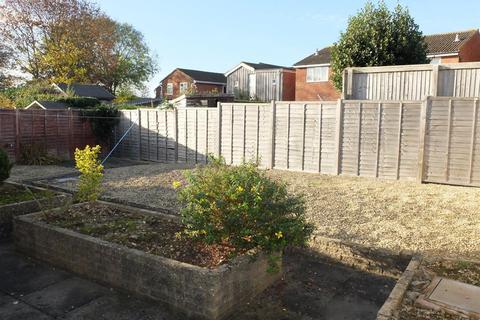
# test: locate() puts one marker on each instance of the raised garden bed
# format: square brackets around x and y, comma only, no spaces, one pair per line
[418,280]
[17,199]
[140,251]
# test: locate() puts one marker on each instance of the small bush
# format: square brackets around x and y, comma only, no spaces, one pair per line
[36,154]
[5,166]
[80,102]
[103,119]
[241,207]
[89,185]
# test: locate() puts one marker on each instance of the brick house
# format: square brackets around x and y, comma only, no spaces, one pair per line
[454,47]
[313,72]
[313,77]
[180,81]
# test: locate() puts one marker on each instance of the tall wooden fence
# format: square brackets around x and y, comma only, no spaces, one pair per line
[412,82]
[59,131]
[434,140]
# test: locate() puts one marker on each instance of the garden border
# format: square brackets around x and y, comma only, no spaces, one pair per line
[390,307]
[190,290]
[9,211]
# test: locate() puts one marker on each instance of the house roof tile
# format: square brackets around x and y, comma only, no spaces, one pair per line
[319,57]
[264,66]
[445,43]
[205,76]
[87,90]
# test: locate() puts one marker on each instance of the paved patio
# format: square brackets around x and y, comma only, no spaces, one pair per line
[313,288]
[33,291]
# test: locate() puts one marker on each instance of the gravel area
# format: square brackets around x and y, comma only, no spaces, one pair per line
[21,173]
[393,215]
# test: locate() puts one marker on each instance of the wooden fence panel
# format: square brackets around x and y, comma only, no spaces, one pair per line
[452,141]
[59,131]
[413,82]
[383,139]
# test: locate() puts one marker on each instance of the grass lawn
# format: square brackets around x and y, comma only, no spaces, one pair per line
[391,215]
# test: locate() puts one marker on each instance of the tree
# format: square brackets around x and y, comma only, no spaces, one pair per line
[77,49]
[131,63]
[27,24]
[377,36]
[5,57]
[74,41]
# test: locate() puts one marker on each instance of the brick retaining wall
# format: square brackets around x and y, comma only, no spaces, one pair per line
[191,290]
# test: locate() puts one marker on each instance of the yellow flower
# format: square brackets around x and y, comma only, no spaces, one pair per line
[279,234]
[176,184]
[240,189]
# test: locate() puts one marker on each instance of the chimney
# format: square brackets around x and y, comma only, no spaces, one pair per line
[457,38]
[316,52]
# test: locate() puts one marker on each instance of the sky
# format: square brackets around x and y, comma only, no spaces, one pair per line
[216,35]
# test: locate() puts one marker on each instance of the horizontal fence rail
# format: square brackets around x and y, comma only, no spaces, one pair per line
[58,132]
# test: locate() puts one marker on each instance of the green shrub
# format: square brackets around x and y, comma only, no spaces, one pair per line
[103,119]
[89,184]
[5,166]
[242,208]
[80,102]
[36,154]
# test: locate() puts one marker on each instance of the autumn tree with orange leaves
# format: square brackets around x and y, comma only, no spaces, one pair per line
[74,41]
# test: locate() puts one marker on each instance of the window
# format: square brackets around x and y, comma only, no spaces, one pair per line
[169,89]
[183,87]
[317,74]
[237,84]
[436,60]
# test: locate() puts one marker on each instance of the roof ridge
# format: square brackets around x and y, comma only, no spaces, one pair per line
[199,70]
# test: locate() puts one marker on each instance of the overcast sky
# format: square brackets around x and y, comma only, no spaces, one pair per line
[217,35]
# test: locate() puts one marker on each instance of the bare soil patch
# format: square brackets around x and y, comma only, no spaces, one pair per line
[148,233]
[464,271]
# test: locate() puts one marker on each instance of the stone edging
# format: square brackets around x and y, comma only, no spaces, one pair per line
[389,309]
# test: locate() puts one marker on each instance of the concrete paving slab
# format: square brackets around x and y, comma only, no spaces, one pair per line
[21,311]
[29,278]
[350,307]
[62,297]
[457,294]
[4,299]
[118,307]
[10,261]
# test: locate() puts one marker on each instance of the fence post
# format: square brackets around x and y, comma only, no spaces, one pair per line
[175,134]
[219,129]
[472,143]
[304,119]
[70,134]
[422,133]
[17,135]
[272,130]
[139,134]
[338,135]
[434,85]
